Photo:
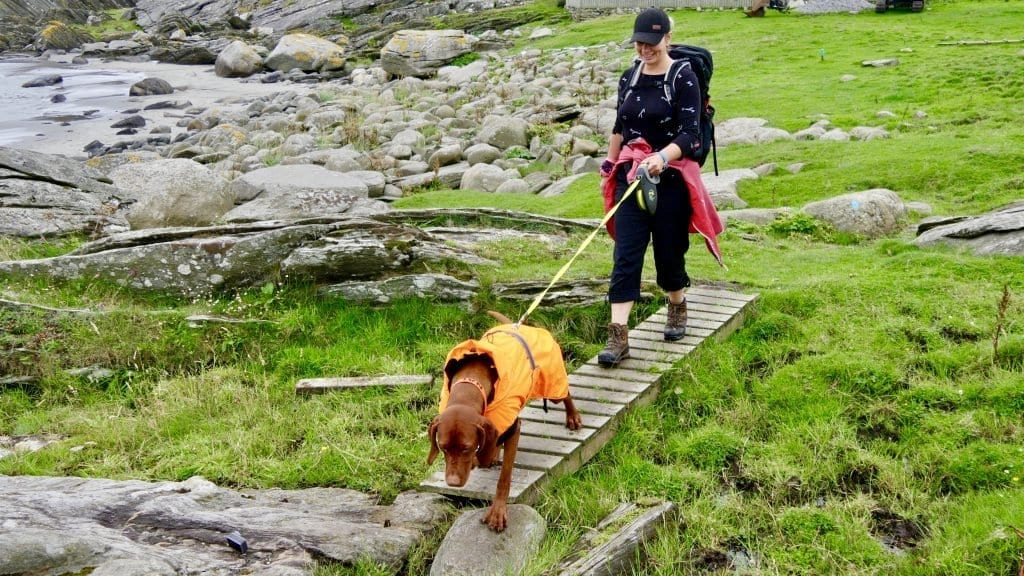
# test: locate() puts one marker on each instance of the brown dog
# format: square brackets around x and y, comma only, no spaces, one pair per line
[486,384]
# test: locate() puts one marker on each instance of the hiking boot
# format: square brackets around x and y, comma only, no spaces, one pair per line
[617,348]
[675,326]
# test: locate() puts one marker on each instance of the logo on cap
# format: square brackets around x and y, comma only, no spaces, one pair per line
[656,27]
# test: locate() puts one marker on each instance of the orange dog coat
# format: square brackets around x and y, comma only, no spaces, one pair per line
[527,369]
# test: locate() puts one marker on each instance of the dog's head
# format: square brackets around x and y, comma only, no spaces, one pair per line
[467,439]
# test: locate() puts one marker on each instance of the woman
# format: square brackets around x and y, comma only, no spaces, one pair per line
[661,136]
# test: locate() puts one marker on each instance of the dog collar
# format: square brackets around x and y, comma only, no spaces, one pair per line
[475,383]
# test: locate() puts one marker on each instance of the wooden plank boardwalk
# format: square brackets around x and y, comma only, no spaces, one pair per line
[548,450]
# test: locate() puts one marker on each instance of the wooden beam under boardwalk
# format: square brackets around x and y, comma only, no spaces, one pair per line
[603,396]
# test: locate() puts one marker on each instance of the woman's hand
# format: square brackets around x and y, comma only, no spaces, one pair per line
[655,164]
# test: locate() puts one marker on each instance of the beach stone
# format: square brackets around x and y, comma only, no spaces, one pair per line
[504,132]
[150,86]
[41,81]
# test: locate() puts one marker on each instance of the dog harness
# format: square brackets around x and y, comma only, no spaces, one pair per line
[529,364]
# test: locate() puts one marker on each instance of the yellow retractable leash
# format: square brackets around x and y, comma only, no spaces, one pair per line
[632,187]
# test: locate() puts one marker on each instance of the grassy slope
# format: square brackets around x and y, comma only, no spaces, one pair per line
[863,392]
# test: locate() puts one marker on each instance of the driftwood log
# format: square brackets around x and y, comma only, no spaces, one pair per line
[620,553]
[321,385]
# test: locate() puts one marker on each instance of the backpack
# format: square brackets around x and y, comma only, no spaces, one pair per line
[699,59]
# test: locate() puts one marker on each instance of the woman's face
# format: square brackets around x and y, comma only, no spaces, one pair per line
[651,53]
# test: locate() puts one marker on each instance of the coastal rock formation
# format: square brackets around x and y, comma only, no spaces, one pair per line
[78,525]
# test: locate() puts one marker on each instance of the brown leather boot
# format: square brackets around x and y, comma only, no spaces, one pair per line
[617,348]
[675,326]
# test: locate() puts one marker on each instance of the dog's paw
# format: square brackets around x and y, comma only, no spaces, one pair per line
[496,517]
[573,421]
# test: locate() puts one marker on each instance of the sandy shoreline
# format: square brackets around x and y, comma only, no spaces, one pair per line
[198,85]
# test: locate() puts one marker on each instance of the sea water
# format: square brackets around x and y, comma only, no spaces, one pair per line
[90,92]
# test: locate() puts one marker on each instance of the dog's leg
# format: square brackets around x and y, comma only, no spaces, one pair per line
[573,420]
[497,515]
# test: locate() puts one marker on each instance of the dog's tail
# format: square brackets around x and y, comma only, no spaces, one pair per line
[499,317]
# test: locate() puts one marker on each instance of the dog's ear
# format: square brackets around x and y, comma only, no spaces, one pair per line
[432,433]
[487,442]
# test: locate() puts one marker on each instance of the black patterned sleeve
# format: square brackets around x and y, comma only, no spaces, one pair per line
[688,106]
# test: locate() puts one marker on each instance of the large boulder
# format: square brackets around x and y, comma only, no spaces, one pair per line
[175,192]
[307,53]
[871,213]
[238,60]
[421,53]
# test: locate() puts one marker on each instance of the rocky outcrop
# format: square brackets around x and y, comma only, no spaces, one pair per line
[200,261]
[78,525]
[1000,232]
[43,196]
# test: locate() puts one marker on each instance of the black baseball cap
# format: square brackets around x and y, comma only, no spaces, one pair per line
[651,26]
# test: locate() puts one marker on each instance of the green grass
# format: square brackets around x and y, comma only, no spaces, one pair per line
[864,398]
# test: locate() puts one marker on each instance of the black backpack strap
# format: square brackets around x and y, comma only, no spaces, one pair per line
[634,75]
[670,78]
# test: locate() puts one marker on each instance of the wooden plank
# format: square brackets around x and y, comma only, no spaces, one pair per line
[619,373]
[602,395]
[605,382]
[660,358]
[547,445]
[723,294]
[655,328]
[321,385]
[586,407]
[557,416]
[536,460]
[713,306]
[482,483]
[556,431]
[715,301]
[691,321]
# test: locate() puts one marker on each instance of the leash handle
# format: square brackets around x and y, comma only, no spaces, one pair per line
[536,301]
